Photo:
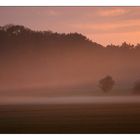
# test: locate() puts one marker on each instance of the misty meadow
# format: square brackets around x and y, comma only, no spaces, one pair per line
[67,62]
[69,70]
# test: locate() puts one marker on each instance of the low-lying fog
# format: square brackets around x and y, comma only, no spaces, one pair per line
[70,100]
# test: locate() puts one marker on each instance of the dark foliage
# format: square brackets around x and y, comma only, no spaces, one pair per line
[16,35]
[106,84]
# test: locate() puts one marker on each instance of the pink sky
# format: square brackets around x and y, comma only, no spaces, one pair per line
[104,25]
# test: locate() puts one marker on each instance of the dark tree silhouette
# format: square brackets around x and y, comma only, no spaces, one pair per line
[106,84]
[15,35]
[126,46]
[111,46]
[18,37]
[136,88]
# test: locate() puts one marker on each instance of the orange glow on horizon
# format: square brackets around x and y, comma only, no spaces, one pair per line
[105,25]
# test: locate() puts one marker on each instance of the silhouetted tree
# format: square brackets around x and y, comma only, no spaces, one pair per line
[126,46]
[136,88]
[106,84]
[111,46]
[15,35]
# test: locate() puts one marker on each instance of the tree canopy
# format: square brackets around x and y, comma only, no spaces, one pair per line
[106,84]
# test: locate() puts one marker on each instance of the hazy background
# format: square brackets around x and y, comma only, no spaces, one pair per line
[70,68]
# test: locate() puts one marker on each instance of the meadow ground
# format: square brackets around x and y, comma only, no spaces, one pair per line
[70,118]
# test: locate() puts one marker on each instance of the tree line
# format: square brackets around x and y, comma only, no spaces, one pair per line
[106,84]
[17,34]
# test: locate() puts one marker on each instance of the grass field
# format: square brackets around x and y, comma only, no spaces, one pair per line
[70,118]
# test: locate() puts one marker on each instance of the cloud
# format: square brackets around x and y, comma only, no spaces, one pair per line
[125,26]
[113,12]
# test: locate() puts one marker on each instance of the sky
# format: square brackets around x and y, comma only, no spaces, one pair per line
[104,25]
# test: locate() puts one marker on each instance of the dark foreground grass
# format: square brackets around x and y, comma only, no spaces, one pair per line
[70,118]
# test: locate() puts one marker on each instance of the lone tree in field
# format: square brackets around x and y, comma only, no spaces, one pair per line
[106,84]
[136,88]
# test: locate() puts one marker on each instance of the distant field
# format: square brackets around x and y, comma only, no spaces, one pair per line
[65,92]
[70,118]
